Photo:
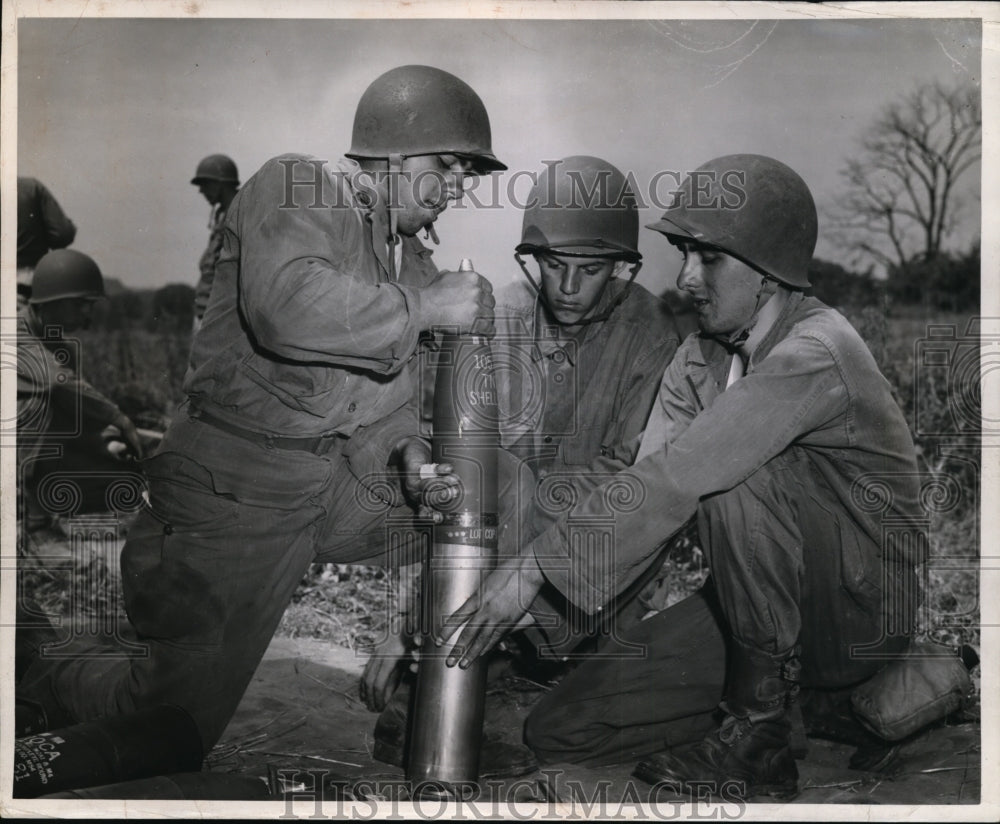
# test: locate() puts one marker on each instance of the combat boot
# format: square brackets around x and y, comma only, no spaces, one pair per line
[751,752]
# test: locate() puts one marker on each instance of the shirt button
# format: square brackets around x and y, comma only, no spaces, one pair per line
[547,439]
[352,406]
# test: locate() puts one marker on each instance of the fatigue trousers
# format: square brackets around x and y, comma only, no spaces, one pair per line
[207,572]
[789,567]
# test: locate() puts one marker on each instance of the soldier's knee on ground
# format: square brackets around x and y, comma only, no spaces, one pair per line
[551,732]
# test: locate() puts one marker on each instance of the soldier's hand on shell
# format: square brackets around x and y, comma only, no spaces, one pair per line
[499,607]
[459,301]
[431,488]
[440,490]
[383,671]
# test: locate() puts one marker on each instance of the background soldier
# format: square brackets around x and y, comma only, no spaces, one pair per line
[218,181]
[55,405]
[42,225]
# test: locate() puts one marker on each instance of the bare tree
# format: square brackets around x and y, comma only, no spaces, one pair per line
[900,201]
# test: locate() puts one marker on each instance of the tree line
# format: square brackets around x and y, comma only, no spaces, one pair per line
[167,309]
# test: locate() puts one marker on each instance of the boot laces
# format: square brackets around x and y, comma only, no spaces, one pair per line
[735,726]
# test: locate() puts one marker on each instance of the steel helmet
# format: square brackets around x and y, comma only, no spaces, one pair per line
[420,110]
[216,167]
[582,205]
[65,273]
[752,207]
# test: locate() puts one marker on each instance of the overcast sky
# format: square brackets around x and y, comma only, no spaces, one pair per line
[114,114]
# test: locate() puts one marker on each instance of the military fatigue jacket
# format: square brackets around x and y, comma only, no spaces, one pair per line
[206,263]
[566,402]
[812,383]
[52,398]
[305,332]
[42,225]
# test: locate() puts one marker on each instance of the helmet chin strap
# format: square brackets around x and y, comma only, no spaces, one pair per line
[618,301]
[732,343]
[527,274]
[392,193]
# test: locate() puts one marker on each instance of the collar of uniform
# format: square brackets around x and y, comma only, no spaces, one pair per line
[772,329]
[375,213]
[545,336]
[551,340]
[779,326]
[220,216]
[766,318]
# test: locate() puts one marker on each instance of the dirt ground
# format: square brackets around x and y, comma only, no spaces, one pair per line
[302,721]
[302,714]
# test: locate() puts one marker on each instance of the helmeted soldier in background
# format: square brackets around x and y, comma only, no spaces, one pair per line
[56,407]
[300,431]
[769,426]
[578,356]
[217,180]
[42,226]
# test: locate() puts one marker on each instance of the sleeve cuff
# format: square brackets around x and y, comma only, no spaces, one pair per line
[587,583]
[410,336]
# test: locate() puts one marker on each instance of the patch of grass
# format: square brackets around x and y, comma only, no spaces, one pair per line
[74,577]
[342,603]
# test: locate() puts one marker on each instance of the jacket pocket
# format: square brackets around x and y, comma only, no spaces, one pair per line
[316,390]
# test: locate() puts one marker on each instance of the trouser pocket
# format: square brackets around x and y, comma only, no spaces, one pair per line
[175,577]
